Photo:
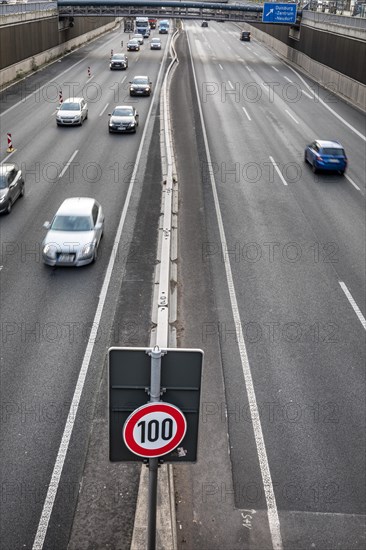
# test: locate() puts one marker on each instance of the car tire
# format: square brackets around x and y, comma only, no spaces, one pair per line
[22,191]
[305,159]
[341,172]
[95,255]
[314,168]
[9,207]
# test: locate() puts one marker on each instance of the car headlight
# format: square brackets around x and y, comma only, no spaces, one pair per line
[87,251]
[147,88]
[49,250]
[132,124]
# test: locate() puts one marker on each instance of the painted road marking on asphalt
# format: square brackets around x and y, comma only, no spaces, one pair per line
[104,108]
[351,300]
[248,68]
[352,182]
[288,79]
[308,95]
[123,79]
[275,68]
[24,99]
[278,171]
[231,86]
[221,67]
[293,118]
[273,518]
[68,163]
[246,112]
[359,134]
[7,156]
[74,406]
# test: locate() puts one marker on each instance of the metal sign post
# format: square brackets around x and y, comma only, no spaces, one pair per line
[153,462]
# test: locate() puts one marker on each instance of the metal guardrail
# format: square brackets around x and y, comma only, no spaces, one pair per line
[344,20]
[12,9]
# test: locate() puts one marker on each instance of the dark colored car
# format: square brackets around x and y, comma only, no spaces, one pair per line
[123,119]
[245,36]
[326,155]
[11,186]
[140,85]
[118,61]
[133,45]
[204,24]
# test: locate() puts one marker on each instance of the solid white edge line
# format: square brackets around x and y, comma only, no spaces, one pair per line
[352,182]
[359,134]
[69,425]
[56,77]
[293,118]
[246,112]
[351,300]
[273,519]
[307,94]
[278,171]
[68,162]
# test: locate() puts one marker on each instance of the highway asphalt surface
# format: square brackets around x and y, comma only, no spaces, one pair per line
[292,237]
[47,314]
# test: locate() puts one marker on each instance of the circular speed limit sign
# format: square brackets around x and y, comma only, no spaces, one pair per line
[154,430]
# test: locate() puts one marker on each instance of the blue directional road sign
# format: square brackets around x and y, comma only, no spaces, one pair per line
[279,13]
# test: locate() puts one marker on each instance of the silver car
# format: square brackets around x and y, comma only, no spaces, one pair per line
[11,186]
[124,118]
[73,111]
[155,44]
[74,234]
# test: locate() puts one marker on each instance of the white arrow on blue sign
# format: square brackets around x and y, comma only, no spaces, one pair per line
[279,13]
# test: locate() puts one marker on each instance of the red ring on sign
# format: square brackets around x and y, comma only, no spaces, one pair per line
[139,413]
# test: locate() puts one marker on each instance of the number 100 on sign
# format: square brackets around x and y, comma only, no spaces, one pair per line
[154,430]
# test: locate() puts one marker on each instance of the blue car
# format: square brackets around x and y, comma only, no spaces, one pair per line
[326,155]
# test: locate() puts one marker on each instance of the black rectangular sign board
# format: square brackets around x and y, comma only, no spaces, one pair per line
[129,382]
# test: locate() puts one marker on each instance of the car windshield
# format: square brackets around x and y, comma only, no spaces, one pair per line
[122,112]
[70,107]
[3,182]
[71,223]
[156,40]
[121,56]
[140,81]
[334,152]
[133,41]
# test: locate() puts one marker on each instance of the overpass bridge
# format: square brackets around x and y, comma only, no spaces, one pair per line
[217,11]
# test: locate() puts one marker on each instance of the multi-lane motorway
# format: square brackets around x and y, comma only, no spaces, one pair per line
[271,278]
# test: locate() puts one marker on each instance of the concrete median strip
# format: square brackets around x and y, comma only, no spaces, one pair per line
[163,317]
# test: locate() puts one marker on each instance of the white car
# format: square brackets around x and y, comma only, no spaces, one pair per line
[73,111]
[74,234]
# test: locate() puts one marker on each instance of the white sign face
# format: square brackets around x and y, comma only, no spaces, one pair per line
[154,429]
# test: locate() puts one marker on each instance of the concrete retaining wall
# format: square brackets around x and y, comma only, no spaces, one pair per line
[19,70]
[346,87]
